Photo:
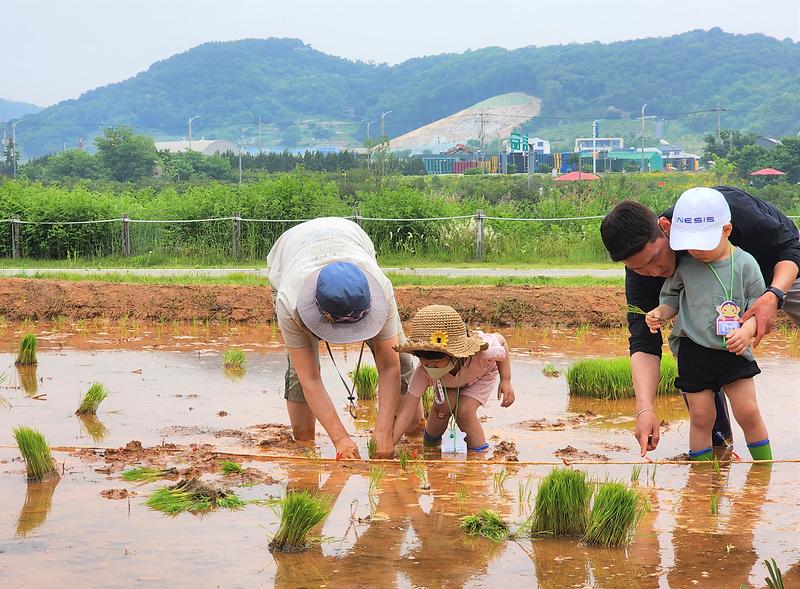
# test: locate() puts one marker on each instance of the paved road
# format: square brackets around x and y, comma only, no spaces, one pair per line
[262,272]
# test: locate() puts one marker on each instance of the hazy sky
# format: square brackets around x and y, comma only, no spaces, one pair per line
[58,49]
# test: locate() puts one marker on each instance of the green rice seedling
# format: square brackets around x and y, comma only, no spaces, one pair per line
[35,452]
[714,504]
[193,496]
[562,503]
[376,474]
[486,523]
[635,472]
[365,381]
[372,448]
[300,512]
[615,514]
[230,467]
[551,370]
[422,475]
[427,401]
[610,378]
[27,351]
[653,474]
[92,399]
[234,358]
[636,310]
[462,494]
[145,474]
[499,479]
[775,579]
[403,456]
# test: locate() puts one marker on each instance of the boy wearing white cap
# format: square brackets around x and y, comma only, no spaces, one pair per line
[709,291]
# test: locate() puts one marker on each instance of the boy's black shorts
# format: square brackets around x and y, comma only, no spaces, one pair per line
[701,368]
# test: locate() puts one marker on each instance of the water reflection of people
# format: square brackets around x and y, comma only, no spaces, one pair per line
[717,547]
[38,501]
[415,542]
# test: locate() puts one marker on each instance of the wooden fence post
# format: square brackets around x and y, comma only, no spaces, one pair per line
[16,252]
[479,217]
[237,236]
[126,236]
[357,217]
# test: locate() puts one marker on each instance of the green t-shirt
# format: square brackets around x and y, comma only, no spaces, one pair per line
[696,293]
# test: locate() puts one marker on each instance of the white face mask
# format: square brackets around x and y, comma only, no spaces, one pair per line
[436,373]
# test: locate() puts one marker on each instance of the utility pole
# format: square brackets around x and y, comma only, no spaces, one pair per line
[190,129]
[594,147]
[259,132]
[14,144]
[482,136]
[719,136]
[368,125]
[644,106]
[383,116]
[242,147]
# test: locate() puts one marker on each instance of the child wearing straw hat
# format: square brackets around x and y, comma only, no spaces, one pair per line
[464,368]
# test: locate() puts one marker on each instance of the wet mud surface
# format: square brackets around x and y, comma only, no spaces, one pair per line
[172,406]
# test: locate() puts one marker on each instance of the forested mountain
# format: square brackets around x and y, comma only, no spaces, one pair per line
[305,97]
[10,109]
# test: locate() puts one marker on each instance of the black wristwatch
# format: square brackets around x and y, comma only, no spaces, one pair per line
[778,293]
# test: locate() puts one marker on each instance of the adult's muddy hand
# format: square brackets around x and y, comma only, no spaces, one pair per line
[346,448]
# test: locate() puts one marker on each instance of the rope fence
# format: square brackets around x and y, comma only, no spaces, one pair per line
[169,231]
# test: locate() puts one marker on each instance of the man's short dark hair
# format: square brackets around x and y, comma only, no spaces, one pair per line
[628,228]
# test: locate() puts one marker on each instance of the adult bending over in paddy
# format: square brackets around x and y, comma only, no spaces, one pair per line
[327,286]
[634,235]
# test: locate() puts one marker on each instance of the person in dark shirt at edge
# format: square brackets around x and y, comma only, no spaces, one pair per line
[638,238]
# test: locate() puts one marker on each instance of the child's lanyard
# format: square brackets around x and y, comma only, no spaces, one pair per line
[443,391]
[728,294]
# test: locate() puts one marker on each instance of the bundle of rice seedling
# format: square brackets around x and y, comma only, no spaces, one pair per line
[35,452]
[27,351]
[234,358]
[486,523]
[427,401]
[92,399]
[300,512]
[193,496]
[365,381]
[610,378]
[145,474]
[230,467]
[615,513]
[562,504]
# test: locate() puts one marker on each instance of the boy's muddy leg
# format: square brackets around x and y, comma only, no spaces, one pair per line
[721,433]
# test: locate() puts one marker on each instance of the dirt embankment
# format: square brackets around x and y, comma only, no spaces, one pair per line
[536,306]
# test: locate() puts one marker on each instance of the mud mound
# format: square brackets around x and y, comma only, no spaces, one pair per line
[570,453]
[569,422]
[545,306]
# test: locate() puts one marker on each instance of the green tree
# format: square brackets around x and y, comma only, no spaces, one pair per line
[786,158]
[127,155]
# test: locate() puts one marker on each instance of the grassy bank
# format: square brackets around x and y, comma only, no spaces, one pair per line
[301,195]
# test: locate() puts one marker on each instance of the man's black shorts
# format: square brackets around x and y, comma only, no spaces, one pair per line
[701,368]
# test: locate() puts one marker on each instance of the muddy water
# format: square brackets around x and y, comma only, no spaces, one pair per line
[167,385]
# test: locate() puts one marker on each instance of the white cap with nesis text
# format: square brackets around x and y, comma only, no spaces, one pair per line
[698,219]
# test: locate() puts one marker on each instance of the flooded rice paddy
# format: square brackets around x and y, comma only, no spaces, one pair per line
[169,391]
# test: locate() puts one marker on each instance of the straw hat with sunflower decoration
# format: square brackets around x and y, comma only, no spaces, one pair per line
[439,328]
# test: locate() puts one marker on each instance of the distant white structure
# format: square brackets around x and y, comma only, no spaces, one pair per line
[539,145]
[599,144]
[204,146]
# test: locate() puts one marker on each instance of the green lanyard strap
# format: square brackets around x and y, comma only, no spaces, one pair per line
[728,294]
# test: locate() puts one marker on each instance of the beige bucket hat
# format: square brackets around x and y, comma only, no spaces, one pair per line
[439,328]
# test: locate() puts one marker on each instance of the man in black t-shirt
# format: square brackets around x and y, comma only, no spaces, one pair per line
[637,237]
